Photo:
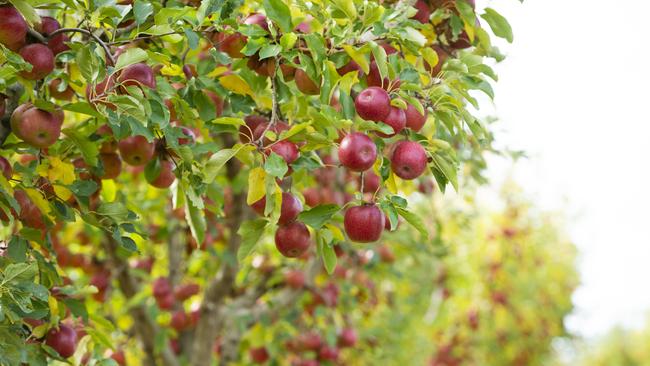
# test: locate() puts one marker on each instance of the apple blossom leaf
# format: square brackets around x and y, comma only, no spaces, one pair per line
[499,25]
[251,232]
[319,215]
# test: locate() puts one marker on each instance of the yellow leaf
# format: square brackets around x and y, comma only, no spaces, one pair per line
[60,171]
[171,70]
[4,183]
[256,185]
[391,184]
[336,232]
[54,309]
[219,70]
[235,84]
[62,192]
[109,190]
[359,57]
[39,200]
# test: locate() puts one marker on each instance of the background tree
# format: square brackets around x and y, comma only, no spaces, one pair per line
[161,159]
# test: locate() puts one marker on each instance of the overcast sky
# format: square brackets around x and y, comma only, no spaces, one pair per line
[574,94]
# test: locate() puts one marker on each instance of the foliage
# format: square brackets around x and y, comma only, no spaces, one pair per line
[214,106]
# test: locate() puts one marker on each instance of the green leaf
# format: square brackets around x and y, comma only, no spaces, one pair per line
[216,162]
[192,38]
[114,210]
[270,50]
[329,257]
[83,108]
[196,221]
[250,232]
[205,106]
[20,272]
[279,13]
[88,64]
[288,40]
[152,170]
[498,24]
[89,150]
[319,215]
[130,57]
[77,308]
[446,168]
[27,11]
[414,220]
[379,54]
[275,165]
[142,10]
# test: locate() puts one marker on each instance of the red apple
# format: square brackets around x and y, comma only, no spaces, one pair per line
[65,94]
[259,19]
[287,150]
[41,58]
[395,119]
[292,240]
[186,291]
[291,208]
[166,176]
[409,160]
[305,84]
[364,224]
[415,120]
[371,182]
[295,278]
[138,75]
[259,354]
[5,168]
[136,150]
[328,353]
[63,340]
[373,104]
[13,28]
[347,338]
[57,43]
[357,152]
[112,165]
[37,127]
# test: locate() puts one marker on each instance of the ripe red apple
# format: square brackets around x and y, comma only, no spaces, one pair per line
[247,131]
[386,254]
[57,43]
[364,224]
[190,139]
[5,168]
[415,120]
[161,287]
[259,19]
[373,104]
[371,182]
[30,214]
[277,128]
[119,357]
[292,240]
[424,12]
[136,150]
[259,354]
[291,208]
[305,84]
[112,165]
[65,94]
[231,44]
[180,320]
[63,340]
[265,67]
[166,176]
[295,278]
[41,58]
[13,28]
[109,145]
[184,292]
[287,150]
[310,341]
[328,353]
[395,119]
[347,338]
[357,152]
[139,75]
[409,160]
[37,127]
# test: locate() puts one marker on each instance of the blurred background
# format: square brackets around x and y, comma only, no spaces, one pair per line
[571,93]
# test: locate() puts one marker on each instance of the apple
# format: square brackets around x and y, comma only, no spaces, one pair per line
[30,214]
[41,58]
[357,152]
[161,287]
[57,43]
[292,240]
[166,176]
[119,357]
[310,341]
[246,131]
[13,28]
[180,320]
[109,145]
[415,120]
[259,19]
[65,94]
[5,168]
[364,223]
[231,44]
[287,150]
[259,354]
[371,182]
[373,104]
[96,94]
[396,119]
[112,165]
[288,72]
[295,279]
[291,208]
[386,254]
[139,75]
[190,136]
[37,127]
[347,337]
[305,84]
[424,12]
[184,292]
[409,160]
[136,150]
[265,67]
[63,340]
[328,353]
[190,71]
[277,128]
[374,78]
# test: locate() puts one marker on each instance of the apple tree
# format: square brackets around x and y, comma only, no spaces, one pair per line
[168,166]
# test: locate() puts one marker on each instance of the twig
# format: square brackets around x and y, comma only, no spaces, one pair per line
[107,50]
[275,108]
[37,35]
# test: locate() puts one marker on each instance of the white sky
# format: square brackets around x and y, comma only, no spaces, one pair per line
[574,93]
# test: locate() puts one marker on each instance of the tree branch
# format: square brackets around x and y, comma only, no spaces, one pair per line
[144,326]
[107,50]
